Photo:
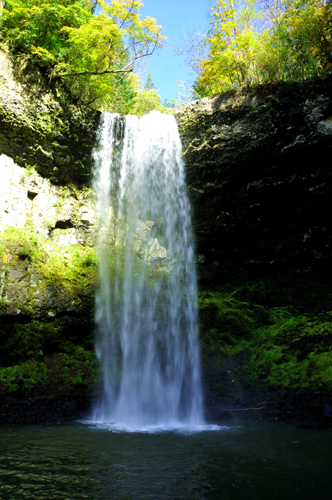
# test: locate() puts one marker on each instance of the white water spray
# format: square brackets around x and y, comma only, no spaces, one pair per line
[146,307]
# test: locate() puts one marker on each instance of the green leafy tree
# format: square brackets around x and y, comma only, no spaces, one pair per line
[273,9]
[297,43]
[93,54]
[233,47]
[149,83]
[146,98]
[111,42]
[34,28]
[147,101]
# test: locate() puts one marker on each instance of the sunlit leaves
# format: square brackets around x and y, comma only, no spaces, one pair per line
[39,23]
[92,46]
[297,44]
[233,49]
[146,101]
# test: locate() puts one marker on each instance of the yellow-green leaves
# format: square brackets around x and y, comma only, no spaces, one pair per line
[104,51]
[26,26]
[146,101]
[93,54]
[93,47]
[296,45]
[112,41]
[232,51]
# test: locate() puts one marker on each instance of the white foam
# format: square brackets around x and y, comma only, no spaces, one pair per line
[175,427]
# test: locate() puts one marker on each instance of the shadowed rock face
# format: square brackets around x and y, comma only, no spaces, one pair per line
[40,128]
[258,168]
[259,174]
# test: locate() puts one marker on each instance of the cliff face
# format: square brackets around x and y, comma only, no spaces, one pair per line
[40,128]
[47,261]
[259,174]
[41,175]
[258,169]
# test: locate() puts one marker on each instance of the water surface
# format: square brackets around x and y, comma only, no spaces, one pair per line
[249,461]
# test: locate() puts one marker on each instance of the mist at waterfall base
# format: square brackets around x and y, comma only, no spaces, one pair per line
[146,307]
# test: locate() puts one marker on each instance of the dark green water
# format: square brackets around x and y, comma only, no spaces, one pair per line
[247,461]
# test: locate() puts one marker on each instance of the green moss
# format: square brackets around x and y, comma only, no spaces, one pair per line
[293,353]
[70,268]
[23,241]
[19,342]
[68,372]
[24,377]
[60,371]
[226,319]
[42,348]
[249,339]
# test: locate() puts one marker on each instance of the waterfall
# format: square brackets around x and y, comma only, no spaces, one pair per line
[146,306]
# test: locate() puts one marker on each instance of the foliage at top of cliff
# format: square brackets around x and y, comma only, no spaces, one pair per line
[90,47]
[252,42]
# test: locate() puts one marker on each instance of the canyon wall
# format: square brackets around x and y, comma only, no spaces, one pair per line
[259,172]
[258,165]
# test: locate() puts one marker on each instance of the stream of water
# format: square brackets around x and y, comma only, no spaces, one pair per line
[147,302]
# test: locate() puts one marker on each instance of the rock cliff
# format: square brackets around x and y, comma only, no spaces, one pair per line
[40,128]
[47,260]
[258,171]
[259,174]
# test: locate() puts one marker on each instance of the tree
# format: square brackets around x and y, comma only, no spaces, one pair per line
[297,43]
[34,28]
[232,50]
[149,83]
[273,9]
[93,54]
[146,101]
[111,42]
[146,97]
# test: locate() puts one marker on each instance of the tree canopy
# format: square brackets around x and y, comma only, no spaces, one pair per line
[252,42]
[91,46]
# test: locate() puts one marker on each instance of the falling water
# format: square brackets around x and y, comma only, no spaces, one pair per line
[146,309]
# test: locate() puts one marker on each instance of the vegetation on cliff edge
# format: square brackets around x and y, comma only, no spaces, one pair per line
[44,340]
[89,47]
[252,42]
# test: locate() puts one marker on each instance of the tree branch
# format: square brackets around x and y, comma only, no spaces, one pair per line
[94,5]
[105,72]
[128,14]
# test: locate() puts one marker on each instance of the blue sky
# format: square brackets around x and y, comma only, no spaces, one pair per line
[164,65]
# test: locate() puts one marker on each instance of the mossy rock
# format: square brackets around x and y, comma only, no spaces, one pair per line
[270,345]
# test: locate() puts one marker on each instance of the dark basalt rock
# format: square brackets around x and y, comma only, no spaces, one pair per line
[258,165]
[258,170]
